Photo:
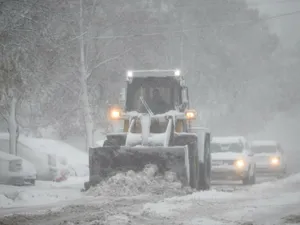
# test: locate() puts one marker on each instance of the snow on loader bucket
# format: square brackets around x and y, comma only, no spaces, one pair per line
[149,136]
[107,161]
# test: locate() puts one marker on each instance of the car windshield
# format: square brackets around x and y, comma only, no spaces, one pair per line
[264,149]
[228,147]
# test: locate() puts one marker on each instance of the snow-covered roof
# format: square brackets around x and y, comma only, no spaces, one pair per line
[228,140]
[263,143]
[8,157]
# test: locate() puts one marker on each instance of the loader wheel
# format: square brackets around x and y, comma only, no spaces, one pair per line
[204,177]
[199,172]
[194,164]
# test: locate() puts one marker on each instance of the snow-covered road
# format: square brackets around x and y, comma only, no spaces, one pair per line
[160,202]
[141,199]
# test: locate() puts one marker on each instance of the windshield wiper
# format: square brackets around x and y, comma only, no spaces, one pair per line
[146,106]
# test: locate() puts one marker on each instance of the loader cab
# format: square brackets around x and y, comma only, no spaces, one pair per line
[169,89]
[171,86]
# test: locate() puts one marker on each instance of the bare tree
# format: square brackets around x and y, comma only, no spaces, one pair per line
[11,86]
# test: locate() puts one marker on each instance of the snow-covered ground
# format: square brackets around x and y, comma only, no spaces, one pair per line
[142,198]
[43,193]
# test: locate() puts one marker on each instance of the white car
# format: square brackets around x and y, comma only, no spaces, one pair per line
[270,157]
[45,164]
[232,159]
[15,170]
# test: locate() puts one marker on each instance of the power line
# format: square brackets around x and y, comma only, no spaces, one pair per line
[196,27]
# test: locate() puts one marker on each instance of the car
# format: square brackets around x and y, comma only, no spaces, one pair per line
[15,170]
[232,159]
[270,158]
[51,158]
[45,164]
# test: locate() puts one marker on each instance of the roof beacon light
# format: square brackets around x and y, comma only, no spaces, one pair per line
[177,73]
[129,73]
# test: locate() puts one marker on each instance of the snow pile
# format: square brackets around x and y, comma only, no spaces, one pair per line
[177,204]
[293,179]
[212,195]
[70,182]
[58,148]
[165,209]
[29,196]
[271,187]
[146,181]
[69,158]
[5,201]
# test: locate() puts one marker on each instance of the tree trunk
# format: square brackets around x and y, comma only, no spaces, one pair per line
[88,120]
[13,127]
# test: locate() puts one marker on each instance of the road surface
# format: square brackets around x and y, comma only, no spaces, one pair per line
[271,202]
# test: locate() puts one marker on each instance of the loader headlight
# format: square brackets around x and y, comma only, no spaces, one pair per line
[115,114]
[239,163]
[129,74]
[177,73]
[190,114]
[274,161]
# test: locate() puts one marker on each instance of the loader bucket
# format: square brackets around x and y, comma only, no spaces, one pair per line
[107,161]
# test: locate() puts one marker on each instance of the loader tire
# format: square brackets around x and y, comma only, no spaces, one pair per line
[199,171]
[193,163]
[204,170]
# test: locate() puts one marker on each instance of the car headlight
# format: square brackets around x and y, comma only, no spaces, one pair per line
[239,163]
[274,161]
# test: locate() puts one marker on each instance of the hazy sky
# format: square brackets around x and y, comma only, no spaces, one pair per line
[287,27]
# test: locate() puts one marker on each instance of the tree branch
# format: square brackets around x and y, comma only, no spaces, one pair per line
[3,116]
[106,61]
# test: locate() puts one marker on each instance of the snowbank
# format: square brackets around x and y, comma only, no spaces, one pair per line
[164,209]
[288,182]
[33,198]
[46,154]
[77,161]
[59,148]
[207,221]
[146,181]
[178,204]
[42,194]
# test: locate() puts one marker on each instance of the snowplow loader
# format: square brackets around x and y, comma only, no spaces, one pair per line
[156,128]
